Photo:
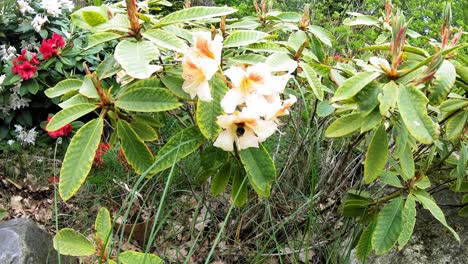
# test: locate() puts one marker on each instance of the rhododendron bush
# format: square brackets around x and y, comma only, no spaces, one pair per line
[230,85]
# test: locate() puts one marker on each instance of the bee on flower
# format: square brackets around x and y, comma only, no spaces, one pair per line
[200,63]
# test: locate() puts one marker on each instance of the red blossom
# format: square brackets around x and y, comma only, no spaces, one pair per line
[62,132]
[24,67]
[50,47]
[101,150]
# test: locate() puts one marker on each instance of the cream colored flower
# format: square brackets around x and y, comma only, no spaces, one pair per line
[200,63]
[253,81]
[244,128]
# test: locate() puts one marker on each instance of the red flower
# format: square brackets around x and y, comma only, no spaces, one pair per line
[24,67]
[101,150]
[50,47]
[62,132]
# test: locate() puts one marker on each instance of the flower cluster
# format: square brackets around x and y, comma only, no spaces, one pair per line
[25,65]
[50,47]
[252,106]
[54,7]
[25,137]
[61,132]
[200,63]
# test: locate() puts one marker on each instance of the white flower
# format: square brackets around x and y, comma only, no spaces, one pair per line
[244,128]
[254,81]
[25,137]
[53,7]
[67,4]
[200,63]
[38,21]
[2,78]
[10,142]
[24,7]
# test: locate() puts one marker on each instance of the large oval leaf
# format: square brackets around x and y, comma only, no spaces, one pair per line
[72,243]
[133,257]
[456,124]
[178,147]
[322,34]
[101,37]
[412,104]
[165,40]
[135,58]
[243,38]
[344,125]
[63,87]
[68,115]
[364,246]
[259,168]
[207,112]
[147,99]
[221,179]
[443,81]
[313,80]
[389,226]
[409,220]
[136,152]
[353,85]
[79,157]
[195,13]
[376,156]
[103,225]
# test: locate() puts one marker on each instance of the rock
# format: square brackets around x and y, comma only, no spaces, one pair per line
[431,243]
[23,242]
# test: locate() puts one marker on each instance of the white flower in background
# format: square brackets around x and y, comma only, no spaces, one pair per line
[10,142]
[2,78]
[142,5]
[24,136]
[67,4]
[30,44]
[52,7]
[38,21]
[244,128]
[24,7]
[200,63]
[254,81]
[7,54]
[66,33]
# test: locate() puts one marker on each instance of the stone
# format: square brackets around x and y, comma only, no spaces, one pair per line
[23,242]
[431,242]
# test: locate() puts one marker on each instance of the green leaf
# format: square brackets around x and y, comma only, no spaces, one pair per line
[207,112]
[212,158]
[443,81]
[453,105]
[147,99]
[407,162]
[87,88]
[412,104]
[324,109]
[247,59]
[367,99]
[63,87]
[456,124]
[409,220]
[313,80]
[79,157]
[243,38]
[259,168]
[423,183]
[389,226]
[68,115]
[103,225]
[178,147]
[101,37]
[93,18]
[356,203]
[322,34]
[266,47]
[165,40]
[135,58]
[297,39]
[133,257]
[174,83]
[136,152]
[391,179]
[3,213]
[107,68]
[344,125]
[463,212]
[360,20]
[72,243]
[239,188]
[221,179]
[195,13]
[353,85]
[388,97]
[364,246]
[376,156]
[144,131]
[246,24]
[76,100]
[426,200]
[371,121]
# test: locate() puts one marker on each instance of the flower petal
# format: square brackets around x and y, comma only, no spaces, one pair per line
[232,99]
[225,141]
[248,140]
